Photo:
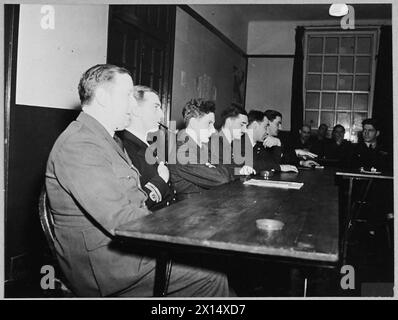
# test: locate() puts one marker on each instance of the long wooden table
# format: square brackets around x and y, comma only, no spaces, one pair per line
[225,219]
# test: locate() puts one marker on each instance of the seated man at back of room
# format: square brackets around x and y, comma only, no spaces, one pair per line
[192,172]
[225,143]
[145,118]
[303,141]
[93,189]
[287,154]
[369,152]
[319,141]
[338,151]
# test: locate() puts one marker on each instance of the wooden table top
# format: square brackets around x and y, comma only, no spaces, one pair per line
[225,218]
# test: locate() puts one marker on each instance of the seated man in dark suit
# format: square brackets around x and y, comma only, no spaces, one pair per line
[288,155]
[265,158]
[93,189]
[227,146]
[145,118]
[192,173]
[338,151]
[369,152]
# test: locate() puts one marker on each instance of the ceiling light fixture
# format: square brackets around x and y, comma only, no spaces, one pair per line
[338,9]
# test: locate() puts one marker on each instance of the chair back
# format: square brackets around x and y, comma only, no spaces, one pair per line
[46,221]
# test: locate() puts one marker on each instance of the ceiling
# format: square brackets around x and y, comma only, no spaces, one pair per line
[286,12]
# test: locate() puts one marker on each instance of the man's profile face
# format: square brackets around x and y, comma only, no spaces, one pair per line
[203,126]
[238,125]
[121,100]
[260,130]
[274,126]
[305,133]
[369,133]
[150,111]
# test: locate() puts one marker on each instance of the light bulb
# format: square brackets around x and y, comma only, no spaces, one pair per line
[338,9]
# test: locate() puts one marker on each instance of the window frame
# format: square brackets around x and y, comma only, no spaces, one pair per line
[338,32]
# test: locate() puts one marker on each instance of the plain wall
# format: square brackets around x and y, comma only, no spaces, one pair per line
[201,57]
[269,86]
[51,61]
[269,80]
[49,66]
[228,20]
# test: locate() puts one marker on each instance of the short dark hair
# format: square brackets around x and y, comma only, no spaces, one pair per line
[372,122]
[233,111]
[139,92]
[338,126]
[255,115]
[323,125]
[272,114]
[196,108]
[95,76]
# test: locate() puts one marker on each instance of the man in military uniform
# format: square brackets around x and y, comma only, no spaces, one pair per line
[369,152]
[227,146]
[288,155]
[145,118]
[193,172]
[93,189]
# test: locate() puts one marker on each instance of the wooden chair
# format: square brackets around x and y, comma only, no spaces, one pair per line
[47,224]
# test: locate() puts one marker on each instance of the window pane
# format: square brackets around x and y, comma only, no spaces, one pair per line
[347,64]
[328,100]
[347,45]
[312,100]
[315,45]
[315,64]
[361,102]
[330,64]
[362,83]
[357,120]
[363,65]
[343,118]
[327,118]
[344,101]
[345,83]
[331,45]
[329,82]
[313,82]
[364,45]
[311,117]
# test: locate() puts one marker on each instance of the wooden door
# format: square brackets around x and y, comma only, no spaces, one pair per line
[141,39]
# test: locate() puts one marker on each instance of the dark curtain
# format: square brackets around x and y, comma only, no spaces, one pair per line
[382,99]
[297,84]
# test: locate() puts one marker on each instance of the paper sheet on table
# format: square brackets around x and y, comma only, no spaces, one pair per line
[274,184]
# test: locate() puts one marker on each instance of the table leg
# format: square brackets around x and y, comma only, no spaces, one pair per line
[348,220]
[162,274]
